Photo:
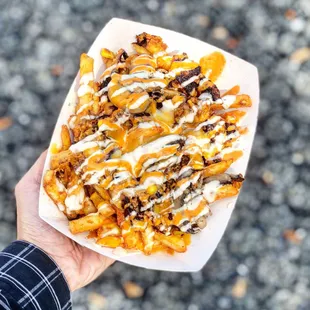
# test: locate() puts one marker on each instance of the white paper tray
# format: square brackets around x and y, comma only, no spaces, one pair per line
[119,33]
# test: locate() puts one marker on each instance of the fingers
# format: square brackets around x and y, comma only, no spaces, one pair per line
[32,179]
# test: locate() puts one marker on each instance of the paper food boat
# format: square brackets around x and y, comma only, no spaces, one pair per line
[119,33]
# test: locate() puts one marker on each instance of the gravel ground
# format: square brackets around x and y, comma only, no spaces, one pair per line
[263,261]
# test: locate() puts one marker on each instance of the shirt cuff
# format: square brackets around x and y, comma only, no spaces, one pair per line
[30,279]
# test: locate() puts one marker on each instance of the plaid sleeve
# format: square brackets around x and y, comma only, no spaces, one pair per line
[30,279]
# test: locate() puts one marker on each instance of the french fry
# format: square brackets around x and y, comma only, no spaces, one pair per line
[86,223]
[187,239]
[65,138]
[54,148]
[139,49]
[148,239]
[164,62]
[108,229]
[226,191]
[86,89]
[159,247]
[110,241]
[88,206]
[233,117]
[175,243]
[133,240]
[234,155]
[217,168]
[96,199]
[108,57]
[233,91]
[242,101]
[55,190]
[105,209]
[107,54]
[60,158]
[138,136]
[120,216]
[102,192]
[148,44]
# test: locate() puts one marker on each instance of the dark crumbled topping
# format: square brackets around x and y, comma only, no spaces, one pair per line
[186,75]
[156,94]
[142,114]
[208,127]
[238,178]
[125,201]
[139,216]
[128,124]
[159,105]
[191,88]
[180,142]
[214,92]
[127,211]
[123,56]
[105,83]
[185,160]
[170,184]
[158,194]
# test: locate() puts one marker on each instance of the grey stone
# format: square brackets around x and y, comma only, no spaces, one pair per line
[272,271]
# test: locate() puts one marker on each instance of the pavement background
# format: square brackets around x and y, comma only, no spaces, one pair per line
[263,261]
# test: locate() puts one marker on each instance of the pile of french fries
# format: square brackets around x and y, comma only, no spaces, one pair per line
[146,152]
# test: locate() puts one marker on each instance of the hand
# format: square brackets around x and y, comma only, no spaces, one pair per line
[79,265]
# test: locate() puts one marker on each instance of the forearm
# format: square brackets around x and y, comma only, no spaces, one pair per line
[30,279]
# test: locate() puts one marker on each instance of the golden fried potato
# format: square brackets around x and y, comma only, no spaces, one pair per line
[110,241]
[60,158]
[102,192]
[88,206]
[55,190]
[242,101]
[233,117]
[65,138]
[226,191]
[153,44]
[96,199]
[174,242]
[233,91]
[217,168]
[107,54]
[86,223]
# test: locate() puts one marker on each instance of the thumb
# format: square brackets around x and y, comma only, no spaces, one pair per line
[27,199]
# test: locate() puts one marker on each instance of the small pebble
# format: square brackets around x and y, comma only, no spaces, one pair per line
[240,288]
[242,270]
[268,177]
[301,55]
[297,25]
[133,290]
[203,20]
[297,159]
[220,33]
